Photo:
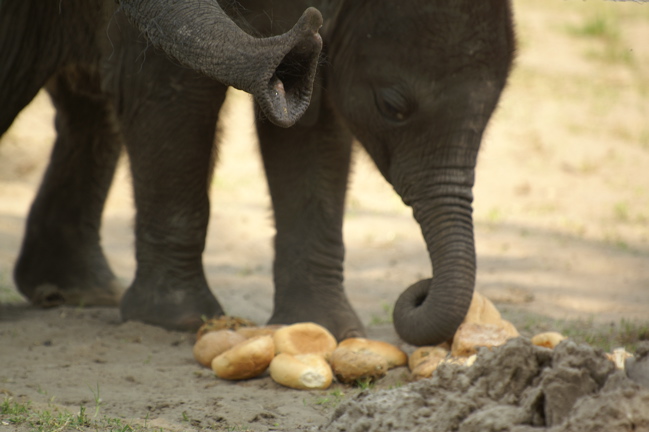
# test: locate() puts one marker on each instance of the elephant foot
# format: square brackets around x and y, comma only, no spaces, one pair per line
[337,316]
[51,295]
[49,279]
[176,309]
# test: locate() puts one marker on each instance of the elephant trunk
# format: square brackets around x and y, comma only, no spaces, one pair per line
[430,311]
[278,71]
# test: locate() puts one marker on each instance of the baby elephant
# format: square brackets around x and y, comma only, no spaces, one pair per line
[415,82]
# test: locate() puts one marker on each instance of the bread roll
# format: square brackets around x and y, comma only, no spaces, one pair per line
[548,339]
[434,354]
[509,328]
[619,357]
[223,322]
[213,344]
[460,361]
[470,336]
[304,338]
[351,366]
[482,311]
[393,355]
[246,359]
[302,371]
[425,368]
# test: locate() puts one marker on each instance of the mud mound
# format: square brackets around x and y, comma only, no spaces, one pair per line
[517,387]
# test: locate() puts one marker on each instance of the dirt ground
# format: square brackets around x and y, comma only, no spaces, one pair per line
[562,233]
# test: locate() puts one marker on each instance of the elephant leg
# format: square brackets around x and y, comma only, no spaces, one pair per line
[307,170]
[27,58]
[168,119]
[61,260]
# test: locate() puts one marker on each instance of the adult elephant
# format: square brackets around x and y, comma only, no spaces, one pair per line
[416,83]
[150,74]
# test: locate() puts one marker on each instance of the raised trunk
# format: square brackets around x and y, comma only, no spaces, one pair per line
[430,311]
[278,71]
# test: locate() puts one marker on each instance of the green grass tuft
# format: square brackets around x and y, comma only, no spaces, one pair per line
[385,317]
[626,334]
[54,419]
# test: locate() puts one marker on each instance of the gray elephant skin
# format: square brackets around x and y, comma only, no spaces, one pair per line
[415,82]
[150,75]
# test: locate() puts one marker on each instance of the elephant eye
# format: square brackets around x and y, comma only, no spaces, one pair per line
[393,104]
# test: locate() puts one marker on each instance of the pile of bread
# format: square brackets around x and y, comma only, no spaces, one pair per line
[301,356]
[307,356]
[483,326]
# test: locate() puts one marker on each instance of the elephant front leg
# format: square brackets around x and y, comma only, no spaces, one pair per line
[61,260]
[169,127]
[307,170]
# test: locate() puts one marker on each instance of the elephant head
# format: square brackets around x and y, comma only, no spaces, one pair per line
[416,82]
[278,71]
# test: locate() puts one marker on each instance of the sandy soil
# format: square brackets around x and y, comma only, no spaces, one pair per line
[562,232]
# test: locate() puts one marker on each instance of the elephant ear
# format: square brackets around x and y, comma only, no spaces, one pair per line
[312,113]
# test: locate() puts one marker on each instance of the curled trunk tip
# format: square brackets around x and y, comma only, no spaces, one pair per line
[426,315]
[287,93]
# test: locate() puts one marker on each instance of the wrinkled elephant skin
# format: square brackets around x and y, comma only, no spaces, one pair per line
[150,75]
[416,83]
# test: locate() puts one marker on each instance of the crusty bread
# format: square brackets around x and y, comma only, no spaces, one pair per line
[302,371]
[471,336]
[351,366]
[393,355]
[426,354]
[214,343]
[304,338]
[223,322]
[246,359]
[425,368]
[509,328]
[548,339]
[482,311]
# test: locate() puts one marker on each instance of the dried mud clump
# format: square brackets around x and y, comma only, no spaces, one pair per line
[518,387]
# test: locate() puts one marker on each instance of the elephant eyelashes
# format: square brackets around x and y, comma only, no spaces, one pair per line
[393,105]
